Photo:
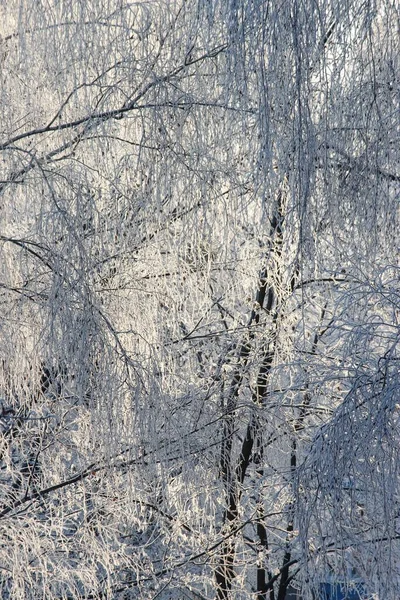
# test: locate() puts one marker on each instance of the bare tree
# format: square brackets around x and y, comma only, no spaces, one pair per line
[199,299]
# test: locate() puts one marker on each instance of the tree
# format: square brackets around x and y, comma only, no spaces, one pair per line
[199,298]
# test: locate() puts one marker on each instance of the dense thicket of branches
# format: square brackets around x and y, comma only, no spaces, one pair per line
[200,299]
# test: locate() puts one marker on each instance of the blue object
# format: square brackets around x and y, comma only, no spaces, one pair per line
[339,591]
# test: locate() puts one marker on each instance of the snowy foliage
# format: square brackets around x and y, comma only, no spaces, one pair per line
[200,298]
